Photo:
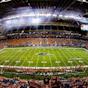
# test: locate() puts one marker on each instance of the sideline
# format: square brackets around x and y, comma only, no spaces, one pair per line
[22,67]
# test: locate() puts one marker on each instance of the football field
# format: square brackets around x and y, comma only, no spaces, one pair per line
[43,56]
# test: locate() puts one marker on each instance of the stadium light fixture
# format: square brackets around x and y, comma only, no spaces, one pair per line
[83,1]
[2,1]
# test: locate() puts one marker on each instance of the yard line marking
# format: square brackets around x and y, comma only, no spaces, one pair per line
[84,60]
[70,61]
[37,59]
[67,56]
[30,62]
[2,50]
[26,53]
[44,62]
[70,53]
[85,49]
[17,61]
[32,52]
[58,54]
[43,59]
[7,61]
[30,56]
[19,56]
[81,61]
[24,58]
[58,62]
[61,53]
[33,49]
[77,63]
[13,59]
[4,58]
[50,59]
[7,56]
[55,56]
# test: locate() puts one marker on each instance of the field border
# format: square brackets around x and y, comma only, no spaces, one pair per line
[61,67]
[2,49]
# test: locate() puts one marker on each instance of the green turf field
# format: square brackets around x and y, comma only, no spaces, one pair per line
[43,56]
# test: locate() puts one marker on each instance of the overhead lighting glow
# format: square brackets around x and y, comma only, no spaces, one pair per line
[26,16]
[83,1]
[84,27]
[36,21]
[22,22]
[4,1]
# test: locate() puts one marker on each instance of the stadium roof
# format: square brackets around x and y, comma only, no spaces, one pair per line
[41,11]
